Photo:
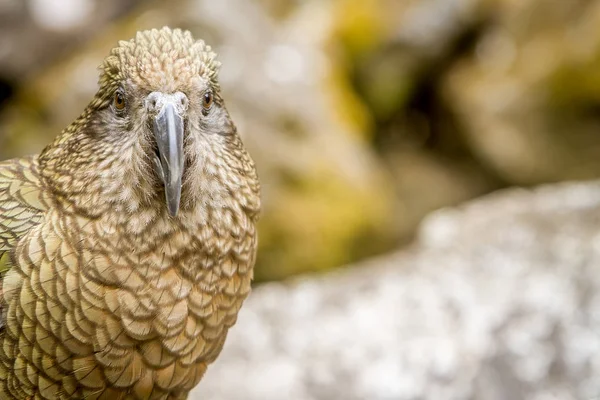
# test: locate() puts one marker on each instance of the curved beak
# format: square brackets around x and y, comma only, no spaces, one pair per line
[168,132]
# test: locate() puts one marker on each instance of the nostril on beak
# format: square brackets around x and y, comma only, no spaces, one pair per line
[183,100]
[151,101]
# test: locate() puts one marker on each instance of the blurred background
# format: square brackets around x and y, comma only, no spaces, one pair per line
[362,115]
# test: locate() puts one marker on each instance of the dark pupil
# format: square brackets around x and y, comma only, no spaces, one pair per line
[119,99]
[207,99]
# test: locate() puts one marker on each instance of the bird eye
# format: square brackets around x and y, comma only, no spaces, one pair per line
[119,101]
[207,100]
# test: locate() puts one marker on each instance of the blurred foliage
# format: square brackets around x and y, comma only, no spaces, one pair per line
[326,237]
[362,115]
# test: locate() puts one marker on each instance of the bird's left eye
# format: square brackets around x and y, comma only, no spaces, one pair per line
[119,101]
[207,100]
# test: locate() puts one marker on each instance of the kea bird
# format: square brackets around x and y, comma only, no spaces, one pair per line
[127,246]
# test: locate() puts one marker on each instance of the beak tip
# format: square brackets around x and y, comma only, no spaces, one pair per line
[173,208]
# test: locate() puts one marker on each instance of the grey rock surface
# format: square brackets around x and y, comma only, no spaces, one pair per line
[498,299]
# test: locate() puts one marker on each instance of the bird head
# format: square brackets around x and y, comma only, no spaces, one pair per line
[157,131]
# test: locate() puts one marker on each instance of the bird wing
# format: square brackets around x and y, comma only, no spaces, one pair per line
[21,204]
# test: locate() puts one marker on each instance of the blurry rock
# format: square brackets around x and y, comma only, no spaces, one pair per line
[326,197]
[498,299]
[528,94]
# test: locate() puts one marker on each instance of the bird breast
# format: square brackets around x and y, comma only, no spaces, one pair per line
[119,313]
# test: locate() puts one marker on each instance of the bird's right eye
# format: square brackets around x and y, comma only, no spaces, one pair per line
[119,101]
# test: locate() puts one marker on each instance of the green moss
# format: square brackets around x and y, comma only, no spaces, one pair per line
[576,83]
[359,25]
[316,222]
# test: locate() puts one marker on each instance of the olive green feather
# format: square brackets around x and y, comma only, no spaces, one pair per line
[21,204]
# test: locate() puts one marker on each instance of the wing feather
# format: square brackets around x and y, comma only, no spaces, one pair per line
[22,205]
